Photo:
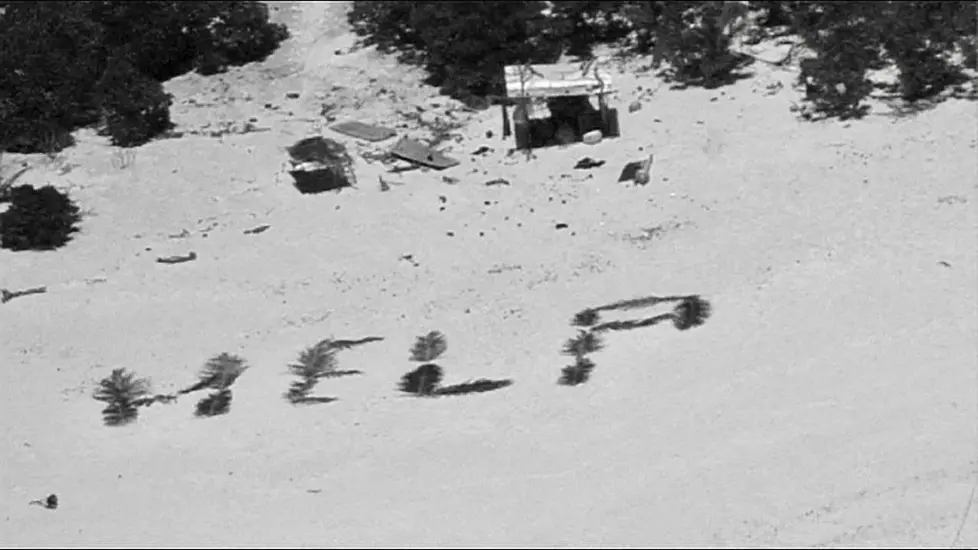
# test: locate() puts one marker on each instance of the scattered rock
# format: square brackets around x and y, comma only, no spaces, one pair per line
[635,106]
[489,134]
[292,95]
[497,181]
[482,150]
[560,226]
[449,180]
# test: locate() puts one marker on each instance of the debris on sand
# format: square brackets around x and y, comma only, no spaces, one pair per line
[177,259]
[7,295]
[51,502]
[418,153]
[497,181]
[587,163]
[637,172]
[320,164]
[360,130]
[256,230]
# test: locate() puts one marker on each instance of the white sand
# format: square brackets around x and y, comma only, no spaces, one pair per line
[830,400]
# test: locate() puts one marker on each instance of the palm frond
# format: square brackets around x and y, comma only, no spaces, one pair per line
[584,343]
[315,361]
[215,404]
[578,373]
[693,311]
[121,386]
[221,371]
[422,380]
[481,385]
[585,318]
[429,347]
[632,324]
[637,303]
[120,414]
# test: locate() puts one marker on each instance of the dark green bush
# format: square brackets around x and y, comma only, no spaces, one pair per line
[582,25]
[237,33]
[50,58]
[462,45]
[690,38]
[57,60]
[852,38]
[37,219]
[920,38]
[845,37]
[136,106]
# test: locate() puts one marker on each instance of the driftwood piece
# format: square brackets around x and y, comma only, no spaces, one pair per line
[7,295]
[177,259]
[256,230]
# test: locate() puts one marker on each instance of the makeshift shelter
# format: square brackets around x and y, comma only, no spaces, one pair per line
[564,91]
[320,164]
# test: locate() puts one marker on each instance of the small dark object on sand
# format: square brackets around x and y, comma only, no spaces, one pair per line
[256,230]
[587,163]
[177,259]
[7,295]
[497,181]
[51,503]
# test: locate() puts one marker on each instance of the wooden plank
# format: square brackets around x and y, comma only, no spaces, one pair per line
[419,153]
[369,132]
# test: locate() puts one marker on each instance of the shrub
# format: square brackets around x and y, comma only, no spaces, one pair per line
[60,60]
[462,45]
[690,37]
[845,38]
[38,219]
[136,106]
[386,25]
[581,25]
[237,33]
[121,392]
[920,38]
